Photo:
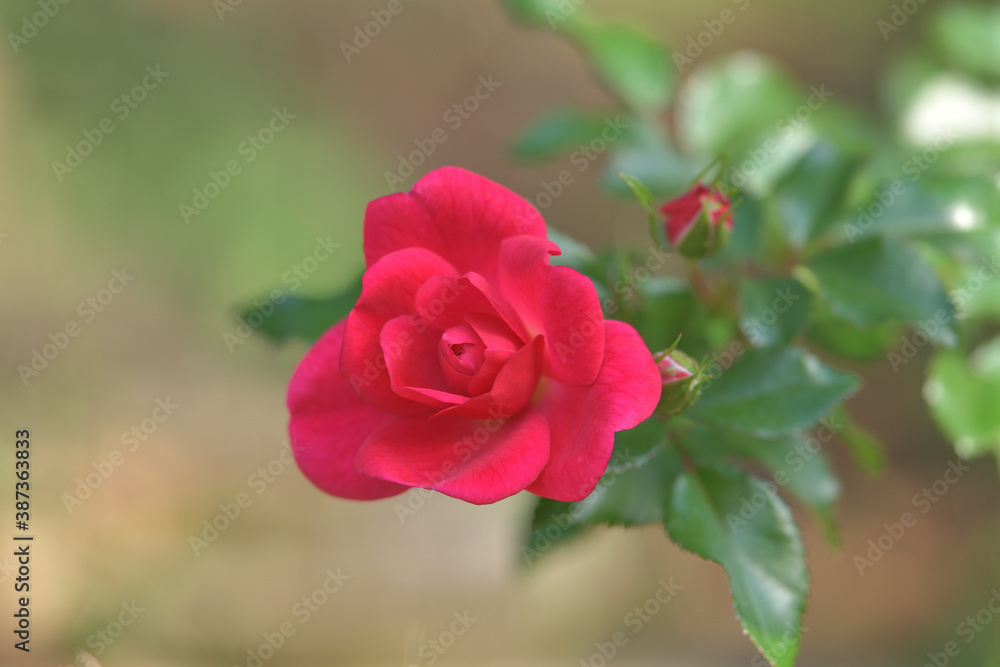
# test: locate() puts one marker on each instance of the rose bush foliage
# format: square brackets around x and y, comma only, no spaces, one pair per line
[473,365]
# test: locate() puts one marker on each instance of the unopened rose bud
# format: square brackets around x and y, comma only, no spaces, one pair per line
[699,221]
[672,370]
[682,379]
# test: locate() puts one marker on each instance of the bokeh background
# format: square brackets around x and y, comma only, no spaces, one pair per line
[227,66]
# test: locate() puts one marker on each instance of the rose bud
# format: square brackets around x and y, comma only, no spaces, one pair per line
[682,382]
[699,221]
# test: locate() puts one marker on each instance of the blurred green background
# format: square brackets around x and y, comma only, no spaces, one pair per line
[225,67]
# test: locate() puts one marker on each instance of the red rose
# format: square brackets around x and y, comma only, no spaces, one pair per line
[699,221]
[469,364]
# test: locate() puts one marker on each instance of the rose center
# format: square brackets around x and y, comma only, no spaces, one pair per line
[462,351]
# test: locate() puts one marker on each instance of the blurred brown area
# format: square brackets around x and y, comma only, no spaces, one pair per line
[133,539]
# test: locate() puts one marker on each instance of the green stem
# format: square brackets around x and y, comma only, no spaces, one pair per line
[699,284]
[717,162]
[682,453]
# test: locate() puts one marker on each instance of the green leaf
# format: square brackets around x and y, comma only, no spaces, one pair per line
[911,212]
[865,448]
[645,199]
[632,64]
[977,293]
[773,310]
[844,339]
[795,462]
[538,13]
[850,128]
[745,240]
[809,196]
[303,318]
[669,309]
[964,397]
[640,191]
[906,74]
[650,159]
[773,390]
[634,491]
[759,170]
[739,100]
[729,517]
[881,280]
[968,36]
[552,524]
[558,132]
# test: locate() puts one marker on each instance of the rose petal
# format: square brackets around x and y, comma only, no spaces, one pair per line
[389,289]
[460,215]
[411,357]
[329,423]
[682,211]
[582,420]
[433,397]
[501,344]
[461,355]
[514,385]
[444,302]
[556,301]
[476,461]
[494,332]
[483,381]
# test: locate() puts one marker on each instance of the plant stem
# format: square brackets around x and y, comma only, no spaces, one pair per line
[698,283]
